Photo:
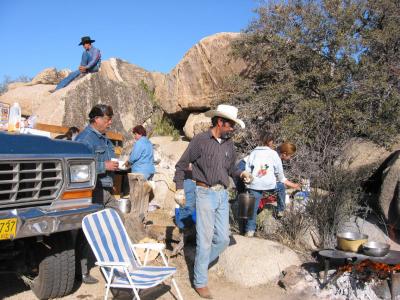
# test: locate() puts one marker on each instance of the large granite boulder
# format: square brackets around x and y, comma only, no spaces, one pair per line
[198,79]
[360,153]
[36,100]
[131,102]
[380,169]
[47,76]
[195,124]
[253,261]
[193,84]
[123,87]
[389,193]
[50,76]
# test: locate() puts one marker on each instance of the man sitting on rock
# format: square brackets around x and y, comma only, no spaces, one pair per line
[90,62]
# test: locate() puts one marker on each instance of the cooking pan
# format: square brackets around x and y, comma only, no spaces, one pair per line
[351,241]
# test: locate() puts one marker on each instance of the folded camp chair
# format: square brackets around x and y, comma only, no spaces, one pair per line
[117,258]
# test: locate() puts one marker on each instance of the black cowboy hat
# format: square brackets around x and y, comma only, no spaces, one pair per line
[86,39]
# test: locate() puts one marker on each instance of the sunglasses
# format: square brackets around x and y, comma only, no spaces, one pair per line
[231,123]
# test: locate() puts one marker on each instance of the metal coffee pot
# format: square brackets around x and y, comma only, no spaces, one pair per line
[124,205]
[246,205]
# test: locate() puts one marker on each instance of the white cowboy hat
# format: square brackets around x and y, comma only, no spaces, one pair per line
[226,111]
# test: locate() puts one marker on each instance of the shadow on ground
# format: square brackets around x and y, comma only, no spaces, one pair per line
[11,285]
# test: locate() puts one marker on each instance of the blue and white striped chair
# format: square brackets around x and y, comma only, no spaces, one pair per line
[117,257]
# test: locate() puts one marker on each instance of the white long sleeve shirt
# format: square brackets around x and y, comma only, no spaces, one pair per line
[266,167]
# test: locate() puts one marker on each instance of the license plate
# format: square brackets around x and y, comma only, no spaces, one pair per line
[8,227]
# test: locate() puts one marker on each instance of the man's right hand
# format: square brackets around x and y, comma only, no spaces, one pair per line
[180,198]
[111,165]
[246,176]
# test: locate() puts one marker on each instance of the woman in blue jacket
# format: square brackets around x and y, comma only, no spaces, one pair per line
[142,158]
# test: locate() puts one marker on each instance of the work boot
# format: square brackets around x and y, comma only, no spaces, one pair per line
[89,279]
[204,292]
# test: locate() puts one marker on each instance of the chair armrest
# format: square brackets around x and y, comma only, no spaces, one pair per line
[151,246]
[112,264]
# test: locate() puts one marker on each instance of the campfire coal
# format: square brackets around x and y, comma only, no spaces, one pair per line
[344,286]
[367,270]
[347,286]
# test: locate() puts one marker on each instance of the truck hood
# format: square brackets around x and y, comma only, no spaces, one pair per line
[33,145]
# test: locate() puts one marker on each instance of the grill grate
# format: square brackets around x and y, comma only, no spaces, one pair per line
[29,182]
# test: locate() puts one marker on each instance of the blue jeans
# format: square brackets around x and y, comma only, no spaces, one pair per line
[251,222]
[212,230]
[186,213]
[281,190]
[67,80]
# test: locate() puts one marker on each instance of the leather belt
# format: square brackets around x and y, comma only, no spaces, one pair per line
[216,187]
[202,184]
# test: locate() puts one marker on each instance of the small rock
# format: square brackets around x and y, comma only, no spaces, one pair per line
[292,275]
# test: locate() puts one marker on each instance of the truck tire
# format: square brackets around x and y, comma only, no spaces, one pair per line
[56,274]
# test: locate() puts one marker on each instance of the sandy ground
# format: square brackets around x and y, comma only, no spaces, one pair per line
[12,288]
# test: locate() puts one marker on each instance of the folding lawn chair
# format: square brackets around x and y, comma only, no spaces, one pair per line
[117,258]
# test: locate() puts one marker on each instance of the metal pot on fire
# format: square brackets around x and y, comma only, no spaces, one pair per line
[351,241]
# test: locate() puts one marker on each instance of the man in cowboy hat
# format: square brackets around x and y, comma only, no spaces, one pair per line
[90,62]
[213,158]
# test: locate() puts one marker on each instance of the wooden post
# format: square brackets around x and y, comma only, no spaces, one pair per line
[139,195]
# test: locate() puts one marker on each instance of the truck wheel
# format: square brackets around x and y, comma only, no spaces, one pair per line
[56,274]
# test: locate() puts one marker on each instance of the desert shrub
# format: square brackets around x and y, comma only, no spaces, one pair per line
[336,204]
[320,73]
[7,80]
[163,126]
[325,212]
[291,229]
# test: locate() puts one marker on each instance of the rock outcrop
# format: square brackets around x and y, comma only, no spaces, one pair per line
[197,81]
[389,192]
[252,261]
[360,153]
[167,153]
[195,124]
[50,76]
[133,92]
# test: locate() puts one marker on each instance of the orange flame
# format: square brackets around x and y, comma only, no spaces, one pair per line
[382,270]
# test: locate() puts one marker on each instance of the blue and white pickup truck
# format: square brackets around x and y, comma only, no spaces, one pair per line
[45,191]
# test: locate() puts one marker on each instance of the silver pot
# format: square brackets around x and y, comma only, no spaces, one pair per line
[376,249]
[352,236]
[246,205]
[124,205]
[351,241]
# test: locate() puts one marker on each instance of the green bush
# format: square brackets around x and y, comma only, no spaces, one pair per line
[319,74]
[163,126]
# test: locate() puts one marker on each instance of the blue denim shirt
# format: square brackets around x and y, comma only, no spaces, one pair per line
[91,59]
[103,150]
[142,158]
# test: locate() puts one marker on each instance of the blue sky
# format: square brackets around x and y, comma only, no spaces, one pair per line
[152,34]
